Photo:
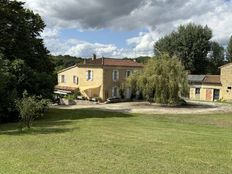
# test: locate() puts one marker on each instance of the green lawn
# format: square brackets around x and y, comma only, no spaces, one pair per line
[92,141]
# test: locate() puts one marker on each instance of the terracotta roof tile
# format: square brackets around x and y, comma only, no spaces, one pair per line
[212,79]
[113,62]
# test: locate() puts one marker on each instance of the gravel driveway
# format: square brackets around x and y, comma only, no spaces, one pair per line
[146,108]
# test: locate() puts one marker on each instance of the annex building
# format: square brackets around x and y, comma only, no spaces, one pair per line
[212,87]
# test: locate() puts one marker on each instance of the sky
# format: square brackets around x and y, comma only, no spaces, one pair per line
[124,28]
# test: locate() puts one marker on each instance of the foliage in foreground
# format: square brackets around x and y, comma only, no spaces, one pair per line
[24,61]
[30,108]
[163,80]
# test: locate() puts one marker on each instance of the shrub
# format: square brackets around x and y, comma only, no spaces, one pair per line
[30,108]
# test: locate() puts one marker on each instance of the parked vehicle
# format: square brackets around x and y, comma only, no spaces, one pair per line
[113,100]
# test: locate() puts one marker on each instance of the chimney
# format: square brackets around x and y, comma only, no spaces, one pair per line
[102,60]
[94,57]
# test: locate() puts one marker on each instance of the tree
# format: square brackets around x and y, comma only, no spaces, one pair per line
[20,36]
[30,108]
[229,50]
[191,44]
[215,58]
[62,62]
[7,92]
[163,80]
[24,62]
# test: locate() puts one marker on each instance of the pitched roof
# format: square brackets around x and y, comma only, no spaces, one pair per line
[212,79]
[112,62]
[67,68]
[228,64]
[204,79]
[196,78]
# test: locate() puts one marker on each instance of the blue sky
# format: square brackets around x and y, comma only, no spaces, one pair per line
[124,28]
[105,36]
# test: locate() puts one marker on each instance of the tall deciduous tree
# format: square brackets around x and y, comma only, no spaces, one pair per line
[191,44]
[215,58]
[25,64]
[229,50]
[163,80]
[20,36]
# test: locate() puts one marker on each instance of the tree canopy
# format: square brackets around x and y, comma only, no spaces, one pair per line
[163,80]
[191,44]
[65,61]
[215,58]
[24,61]
[229,50]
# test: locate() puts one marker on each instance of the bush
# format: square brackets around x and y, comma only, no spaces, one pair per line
[30,108]
[76,93]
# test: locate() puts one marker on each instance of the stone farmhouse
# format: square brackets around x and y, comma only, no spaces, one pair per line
[97,77]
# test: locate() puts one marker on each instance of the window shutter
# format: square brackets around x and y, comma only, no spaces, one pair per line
[87,75]
[113,92]
[117,75]
[91,75]
[113,75]
[59,79]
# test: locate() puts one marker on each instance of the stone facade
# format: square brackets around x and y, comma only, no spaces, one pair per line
[226,80]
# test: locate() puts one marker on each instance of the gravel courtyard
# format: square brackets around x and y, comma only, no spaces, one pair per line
[146,108]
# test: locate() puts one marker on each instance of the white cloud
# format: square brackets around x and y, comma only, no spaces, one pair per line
[80,48]
[160,16]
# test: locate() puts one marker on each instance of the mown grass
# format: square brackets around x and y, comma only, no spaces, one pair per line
[94,141]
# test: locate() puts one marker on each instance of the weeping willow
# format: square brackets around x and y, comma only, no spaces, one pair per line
[163,80]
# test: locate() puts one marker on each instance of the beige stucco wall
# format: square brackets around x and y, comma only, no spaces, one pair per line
[83,83]
[226,80]
[108,81]
[203,92]
[210,88]
[192,92]
[102,77]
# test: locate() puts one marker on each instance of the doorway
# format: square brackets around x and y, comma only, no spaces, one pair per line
[216,94]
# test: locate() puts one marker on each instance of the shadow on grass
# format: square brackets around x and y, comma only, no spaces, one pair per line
[55,120]
[37,130]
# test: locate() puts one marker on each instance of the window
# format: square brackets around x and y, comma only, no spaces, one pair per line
[75,80]
[115,91]
[128,73]
[229,87]
[197,91]
[62,79]
[89,75]
[115,75]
